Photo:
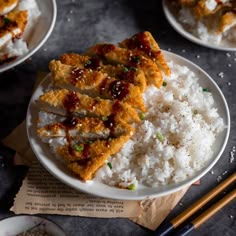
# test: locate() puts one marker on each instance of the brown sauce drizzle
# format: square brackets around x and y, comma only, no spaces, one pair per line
[103,85]
[76,75]
[71,101]
[86,151]
[110,123]
[93,63]
[103,49]
[139,42]
[119,89]
[127,75]
[70,122]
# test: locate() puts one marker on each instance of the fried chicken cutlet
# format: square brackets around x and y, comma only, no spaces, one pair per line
[121,72]
[12,25]
[95,83]
[7,5]
[64,102]
[114,55]
[84,129]
[144,44]
[89,157]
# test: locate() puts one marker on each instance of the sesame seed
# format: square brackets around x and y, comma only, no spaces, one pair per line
[169,49]
[68,19]
[198,56]
[212,172]
[221,74]
[229,65]
[219,178]
[71,11]
[231,216]
[229,83]
[183,50]
[228,54]
[225,172]
[45,49]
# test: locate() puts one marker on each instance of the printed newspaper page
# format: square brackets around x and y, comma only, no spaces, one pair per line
[42,193]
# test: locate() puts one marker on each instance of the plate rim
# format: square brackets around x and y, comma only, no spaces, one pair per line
[51,222]
[133,195]
[179,29]
[21,59]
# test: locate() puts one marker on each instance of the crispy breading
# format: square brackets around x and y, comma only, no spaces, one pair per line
[145,44]
[189,3]
[12,25]
[56,101]
[227,21]
[86,162]
[95,83]
[128,74]
[200,10]
[86,128]
[7,6]
[112,54]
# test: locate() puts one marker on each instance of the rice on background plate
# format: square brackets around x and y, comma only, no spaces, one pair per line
[204,30]
[175,138]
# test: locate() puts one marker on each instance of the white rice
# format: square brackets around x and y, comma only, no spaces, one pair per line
[19,47]
[200,30]
[187,137]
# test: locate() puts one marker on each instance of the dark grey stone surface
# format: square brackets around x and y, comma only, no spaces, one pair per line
[80,24]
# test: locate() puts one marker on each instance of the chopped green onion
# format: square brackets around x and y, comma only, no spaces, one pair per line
[126,69]
[133,68]
[104,118]
[6,20]
[205,90]
[164,84]
[90,142]
[78,148]
[131,187]
[88,62]
[195,112]
[109,165]
[159,136]
[142,116]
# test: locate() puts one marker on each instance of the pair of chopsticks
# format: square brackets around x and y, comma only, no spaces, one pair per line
[168,227]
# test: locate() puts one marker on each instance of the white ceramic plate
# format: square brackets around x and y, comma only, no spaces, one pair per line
[18,224]
[60,171]
[40,34]
[172,19]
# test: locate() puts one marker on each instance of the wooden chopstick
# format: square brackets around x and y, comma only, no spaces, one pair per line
[206,214]
[174,223]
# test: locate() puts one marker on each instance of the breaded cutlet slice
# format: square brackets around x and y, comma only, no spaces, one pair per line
[201,10]
[128,74]
[188,3]
[95,83]
[112,54]
[227,21]
[7,6]
[63,102]
[146,45]
[91,156]
[82,129]
[12,25]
